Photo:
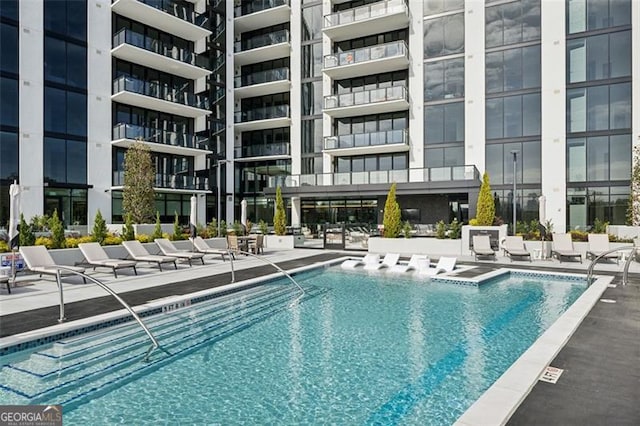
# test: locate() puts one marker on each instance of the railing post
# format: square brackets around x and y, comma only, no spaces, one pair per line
[59,282]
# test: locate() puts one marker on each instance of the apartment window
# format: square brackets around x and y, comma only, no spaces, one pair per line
[513,116]
[312,22]
[444,79]
[66,18]
[599,108]
[513,69]
[369,163]
[311,136]
[312,60]
[599,158]
[65,63]
[444,123]
[511,23]
[312,98]
[8,102]
[599,57]
[587,15]
[9,9]
[371,123]
[499,162]
[371,82]
[65,161]
[65,112]
[444,157]
[433,7]
[368,41]
[8,48]
[444,35]
[9,156]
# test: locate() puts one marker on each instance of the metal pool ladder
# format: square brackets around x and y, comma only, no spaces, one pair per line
[625,274]
[154,341]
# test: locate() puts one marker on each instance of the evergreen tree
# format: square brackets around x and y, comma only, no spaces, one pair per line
[57,231]
[212,228]
[138,197]
[633,209]
[392,218]
[177,231]
[485,208]
[157,230]
[128,233]
[280,217]
[27,237]
[99,228]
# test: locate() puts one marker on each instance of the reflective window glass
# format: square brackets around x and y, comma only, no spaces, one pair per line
[576,160]
[494,118]
[9,155]
[620,106]
[8,102]
[598,158]
[55,163]
[620,157]
[444,35]
[8,48]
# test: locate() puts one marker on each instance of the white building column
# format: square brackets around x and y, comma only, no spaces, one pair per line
[296,212]
[326,91]
[295,95]
[474,84]
[635,67]
[230,108]
[416,97]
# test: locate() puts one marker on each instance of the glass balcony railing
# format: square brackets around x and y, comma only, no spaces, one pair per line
[265,113]
[249,7]
[263,150]
[126,36]
[433,174]
[159,91]
[170,181]
[361,13]
[260,77]
[179,10]
[263,40]
[165,137]
[382,51]
[365,97]
[367,139]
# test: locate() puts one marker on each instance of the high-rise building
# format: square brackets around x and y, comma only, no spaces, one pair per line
[331,100]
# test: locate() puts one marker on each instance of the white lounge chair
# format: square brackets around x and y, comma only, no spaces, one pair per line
[599,244]
[369,258]
[201,246]
[514,248]
[168,249]
[95,256]
[562,247]
[482,247]
[445,264]
[414,264]
[137,252]
[39,260]
[390,259]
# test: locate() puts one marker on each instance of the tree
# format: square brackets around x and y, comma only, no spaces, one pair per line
[139,177]
[177,231]
[212,228]
[99,228]
[57,231]
[392,217]
[633,210]
[128,233]
[485,208]
[27,237]
[280,217]
[157,230]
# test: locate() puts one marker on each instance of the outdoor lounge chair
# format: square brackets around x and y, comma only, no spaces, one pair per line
[95,256]
[417,262]
[369,258]
[482,247]
[562,247]
[137,252]
[390,259]
[38,260]
[201,246]
[168,249]
[599,244]
[514,248]
[445,264]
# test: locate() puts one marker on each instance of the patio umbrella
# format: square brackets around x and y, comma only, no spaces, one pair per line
[243,213]
[14,222]
[542,209]
[192,216]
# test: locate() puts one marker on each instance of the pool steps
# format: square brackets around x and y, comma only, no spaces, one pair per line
[58,373]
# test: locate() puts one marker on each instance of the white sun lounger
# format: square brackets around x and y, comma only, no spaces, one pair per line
[445,264]
[95,256]
[202,247]
[137,252]
[514,248]
[414,264]
[599,244]
[562,247]
[390,259]
[168,249]
[369,258]
[39,260]
[482,247]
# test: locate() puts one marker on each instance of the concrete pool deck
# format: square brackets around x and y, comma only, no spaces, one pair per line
[599,384]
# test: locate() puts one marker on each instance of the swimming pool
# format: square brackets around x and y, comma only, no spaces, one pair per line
[357,349]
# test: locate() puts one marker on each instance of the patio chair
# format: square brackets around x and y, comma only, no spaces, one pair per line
[390,259]
[233,245]
[514,248]
[599,244]
[562,247]
[201,246]
[257,246]
[482,247]
[444,265]
[38,260]
[137,252]
[369,258]
[5,279]
[417,262]
[95,256]
[168,249]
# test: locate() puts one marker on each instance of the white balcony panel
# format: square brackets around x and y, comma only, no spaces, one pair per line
[271,123]
[271,16]
[357,69]
[370,108]
[262,158]
[159,19]
[374,25]
[143,101]
[168,190]
[149,59]
[262,54]
[262,89]
[161,147]
[364,150]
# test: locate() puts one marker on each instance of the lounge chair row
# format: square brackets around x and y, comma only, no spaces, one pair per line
[421,264]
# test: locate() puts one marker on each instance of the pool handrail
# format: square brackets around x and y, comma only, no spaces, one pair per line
[625,275]
[233,278]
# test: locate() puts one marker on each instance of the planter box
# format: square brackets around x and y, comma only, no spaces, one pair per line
[409,246]
[144,228]
[281,241]
[496,234]
[623,231]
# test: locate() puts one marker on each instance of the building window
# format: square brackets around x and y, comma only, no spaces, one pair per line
[434,7]
[67,18]
[513,116]
[587,15]
[444,123]
[8,48]
[599,158]
[444,79]
[599,108]
[599,57]
[444,157]
[9,156]
[8,101]
[499,162]
[312,22]
[513,69]
[65,161]
[511,23]
[444,35]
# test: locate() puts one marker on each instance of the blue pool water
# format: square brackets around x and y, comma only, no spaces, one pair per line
[358,349]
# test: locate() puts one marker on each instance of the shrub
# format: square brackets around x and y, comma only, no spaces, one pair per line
[406,229]
[57,231]
[599,226]
[391,221]
[237,228]
[223,228]
[99,228]
[44,241]
[128,233]
[177,231]
[144,238]
[280,217]
[485,208]
[264,228]
[73,242]
[212,228]
[4,247]
[157,230]
[474,222]
[577,235]
[441,230]
[112,240]
[249,226]
[27,237]
[455,229]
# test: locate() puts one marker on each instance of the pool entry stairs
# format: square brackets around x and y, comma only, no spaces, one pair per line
[73,370]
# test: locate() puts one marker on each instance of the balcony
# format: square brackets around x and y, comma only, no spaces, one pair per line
[367,143]
[374,101]
[159,97]
[159,140]
[165,15]
[374,18]
[262,118]
[135,47]
[252,15]
[353,63]
[262,83]
[170,183]
[262,48]
[269,150]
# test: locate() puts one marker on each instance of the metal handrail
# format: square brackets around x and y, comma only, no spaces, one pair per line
[154,345]
[233,278]
[625,275]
